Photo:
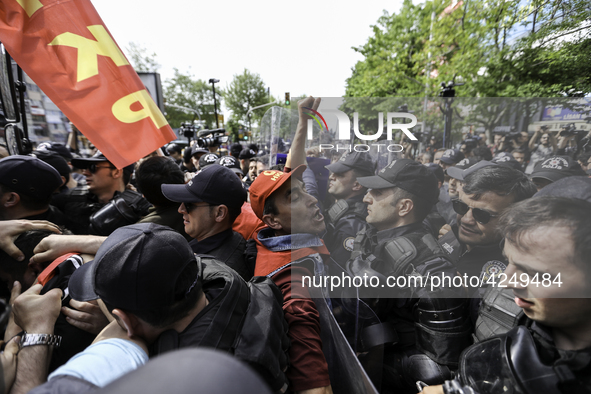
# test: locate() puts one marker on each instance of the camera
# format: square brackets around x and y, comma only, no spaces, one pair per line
[471,141]
[188,129]
[569,130]
[205,138]
[512,135]
[214,137]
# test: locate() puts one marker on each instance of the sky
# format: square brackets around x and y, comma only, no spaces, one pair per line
[301,47]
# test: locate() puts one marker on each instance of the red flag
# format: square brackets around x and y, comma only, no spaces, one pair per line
[66,49]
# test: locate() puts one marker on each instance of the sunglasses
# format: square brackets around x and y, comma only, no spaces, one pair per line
[480,215]
[93,167]
[189,206]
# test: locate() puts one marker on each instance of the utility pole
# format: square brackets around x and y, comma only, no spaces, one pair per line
[213,81]
[428,77]
[448,93]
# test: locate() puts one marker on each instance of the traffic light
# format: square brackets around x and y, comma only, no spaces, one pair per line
[287,100]
[448,90]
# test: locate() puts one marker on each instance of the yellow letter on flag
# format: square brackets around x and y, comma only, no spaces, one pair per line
[88,50]
[30,6]
[58,44]
[123,112]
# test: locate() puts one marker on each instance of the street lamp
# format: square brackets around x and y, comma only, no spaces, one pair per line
[213,81]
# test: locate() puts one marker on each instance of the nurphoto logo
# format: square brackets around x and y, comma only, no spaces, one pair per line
[344,130]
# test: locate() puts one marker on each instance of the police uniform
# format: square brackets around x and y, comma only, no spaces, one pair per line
[482,261]
[344,219]
[416,346]
[423,329]
[87,215]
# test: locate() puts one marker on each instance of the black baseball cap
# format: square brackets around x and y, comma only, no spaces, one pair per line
[451,156]
[247,153]
[467,166]
[408,175]
[437,171]
[29,176]
[215,184]
[55,160]
[571,187]
[197,149]
[135,269]
[232,163]
[507,159]
[57,147]
[557,167]
[360,161]
[207,159]
[98,157]
[174,148]
[235,149]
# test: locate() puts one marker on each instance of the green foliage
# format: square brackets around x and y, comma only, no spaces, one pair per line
[233,128]
[246,91]
[532,48]
[183,90]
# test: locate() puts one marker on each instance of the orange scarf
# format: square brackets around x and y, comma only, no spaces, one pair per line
[268,261]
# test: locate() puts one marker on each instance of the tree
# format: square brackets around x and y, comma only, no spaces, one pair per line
[499,48]
[392,55]
[141,59]
[234,128]
[195,96]
[246,91]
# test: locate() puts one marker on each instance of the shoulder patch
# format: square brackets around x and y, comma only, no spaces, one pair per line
[448,248]
[348,243]
[490,269]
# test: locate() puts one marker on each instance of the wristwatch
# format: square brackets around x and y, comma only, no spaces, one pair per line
[40,339]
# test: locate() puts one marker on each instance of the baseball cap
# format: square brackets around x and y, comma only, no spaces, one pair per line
[214,184]
[408,175]
[98,157]
[571,187]
[266,183]
[136,268]
[57,147]
[557,167]
[467,166]
[207,159]
[232,163]
[451,156]
[246,153]
[174,148]
[436,170]
[29,176]
[197,149]
[507,159]
[55,160]
[360,161]
[235,149]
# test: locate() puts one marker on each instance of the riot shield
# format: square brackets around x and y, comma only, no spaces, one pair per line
[274,136]
[347,375]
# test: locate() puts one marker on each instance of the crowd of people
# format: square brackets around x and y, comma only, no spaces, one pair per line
[103,269]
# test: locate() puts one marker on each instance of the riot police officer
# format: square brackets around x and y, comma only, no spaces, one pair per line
[346,217]
[104,203]
[423,331]
[548,244]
